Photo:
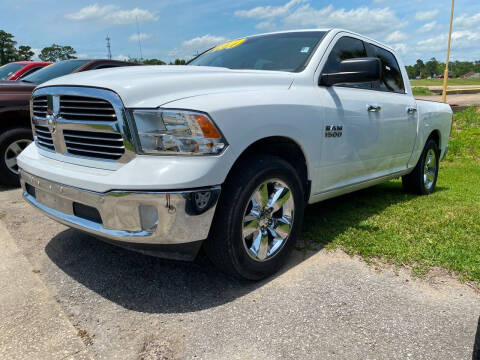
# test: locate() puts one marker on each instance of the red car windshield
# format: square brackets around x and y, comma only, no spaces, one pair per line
[7,70]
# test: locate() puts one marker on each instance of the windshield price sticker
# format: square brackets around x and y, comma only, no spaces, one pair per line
[229,45]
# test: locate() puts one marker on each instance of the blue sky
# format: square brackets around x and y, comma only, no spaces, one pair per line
[170,29]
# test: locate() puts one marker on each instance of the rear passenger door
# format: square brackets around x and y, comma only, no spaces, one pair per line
[398,110]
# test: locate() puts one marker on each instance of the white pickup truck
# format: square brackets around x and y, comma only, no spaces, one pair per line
[226,152]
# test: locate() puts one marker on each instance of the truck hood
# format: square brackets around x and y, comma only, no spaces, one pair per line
[153,86]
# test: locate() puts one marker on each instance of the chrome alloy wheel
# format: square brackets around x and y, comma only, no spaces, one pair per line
[268,220]
[430,169]
[13,150]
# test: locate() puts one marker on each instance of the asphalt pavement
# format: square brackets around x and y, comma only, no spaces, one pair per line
[323,305]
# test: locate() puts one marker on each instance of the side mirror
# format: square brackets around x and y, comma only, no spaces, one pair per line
[356,70]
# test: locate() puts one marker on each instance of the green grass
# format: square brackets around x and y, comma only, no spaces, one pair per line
[439,82]
[384,223]
[421,91]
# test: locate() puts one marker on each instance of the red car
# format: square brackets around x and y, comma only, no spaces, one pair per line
[18,69]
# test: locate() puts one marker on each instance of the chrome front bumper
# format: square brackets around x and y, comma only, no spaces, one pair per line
[148,217]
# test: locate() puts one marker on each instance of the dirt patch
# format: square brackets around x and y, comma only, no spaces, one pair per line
[156,349]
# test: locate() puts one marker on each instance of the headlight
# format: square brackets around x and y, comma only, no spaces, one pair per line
[177,132]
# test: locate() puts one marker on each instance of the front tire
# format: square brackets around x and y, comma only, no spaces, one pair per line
[258,218]
[423,179]
[12,143]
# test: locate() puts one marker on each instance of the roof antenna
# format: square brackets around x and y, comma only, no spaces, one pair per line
[139,41]
[108,47]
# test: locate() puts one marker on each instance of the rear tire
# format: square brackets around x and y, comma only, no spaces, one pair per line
[12,142]
[423,179]
[258,218]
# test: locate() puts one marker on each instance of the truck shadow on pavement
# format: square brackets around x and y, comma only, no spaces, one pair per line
[148,284]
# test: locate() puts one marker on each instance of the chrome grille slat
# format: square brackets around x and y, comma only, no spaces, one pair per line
[81,108]
[86,108]
[103,145]
[44,137]
[86,114]
[91,137]
[39,105]
[90,144]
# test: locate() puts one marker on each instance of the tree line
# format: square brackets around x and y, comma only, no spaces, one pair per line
[10,52]
[433,67]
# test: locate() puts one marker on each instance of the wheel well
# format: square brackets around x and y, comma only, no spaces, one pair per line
[435,136]
[14,120]
[285,148]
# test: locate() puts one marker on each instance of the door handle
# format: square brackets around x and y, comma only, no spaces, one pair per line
[411,110]
[374,108]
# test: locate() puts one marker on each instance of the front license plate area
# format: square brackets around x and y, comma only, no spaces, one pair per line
[53,201]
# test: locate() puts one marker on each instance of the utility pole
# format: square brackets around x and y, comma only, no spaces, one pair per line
[108,47]
[445,75]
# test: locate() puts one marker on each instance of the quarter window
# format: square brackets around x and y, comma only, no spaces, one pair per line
[392,76]
[346,48]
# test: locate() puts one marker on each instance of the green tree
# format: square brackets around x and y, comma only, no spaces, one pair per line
[431,67]
[419,68]
[178,62]
[7,48]
[24,53]
[57,52]
[153,62]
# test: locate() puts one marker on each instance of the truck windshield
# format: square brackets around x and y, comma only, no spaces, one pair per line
[279,52]
[7,70]
[55,70]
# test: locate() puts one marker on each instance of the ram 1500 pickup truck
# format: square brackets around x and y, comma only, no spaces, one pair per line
[226,152]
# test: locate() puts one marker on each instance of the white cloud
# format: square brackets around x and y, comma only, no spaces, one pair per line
[301,14]
[428,27]
[426,15]
[396,36]
[121,57]
[91,12]
[196,45]
[112,14]
[140,36]
[463,39]
[464,22]
[267,12]
[363,20]
[400,48]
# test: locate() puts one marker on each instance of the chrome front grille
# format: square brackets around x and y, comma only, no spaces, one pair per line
[40,106]
[44,137]
[100,145]
[83,123]
[86,108]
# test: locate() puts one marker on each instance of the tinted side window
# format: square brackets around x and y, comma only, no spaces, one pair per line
[346,48]
[392,76]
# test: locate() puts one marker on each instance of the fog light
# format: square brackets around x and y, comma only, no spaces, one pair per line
[148,217]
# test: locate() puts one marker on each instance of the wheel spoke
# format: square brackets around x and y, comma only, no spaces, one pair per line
[250,227]
[260,196]
[259,246]
[11,162]
[15,148]
[279,197]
